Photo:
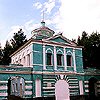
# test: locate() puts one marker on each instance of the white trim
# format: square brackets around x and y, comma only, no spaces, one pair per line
[50,50]
[28,92]
[73,82]
[86,86]
[59,50]
[48,79]
[52,44]
[73,87]
[3,94]
[4,82]
[28,87]
[3,87]
[86,81]
[65,60]
[86,90]
[74,60]
[28,81]
[31,58]
[69,52]
[48,87]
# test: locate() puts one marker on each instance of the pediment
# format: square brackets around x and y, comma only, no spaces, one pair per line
[61,39]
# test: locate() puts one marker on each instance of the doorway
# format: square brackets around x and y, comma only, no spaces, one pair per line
[62,90]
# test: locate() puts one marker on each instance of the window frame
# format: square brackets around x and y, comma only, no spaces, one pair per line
[47,59]
[59,60]
[69,60]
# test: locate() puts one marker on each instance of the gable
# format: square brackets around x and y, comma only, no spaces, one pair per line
[59,39]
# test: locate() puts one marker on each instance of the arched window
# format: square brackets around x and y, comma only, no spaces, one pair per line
[59,57]
[69,58]
[49,58]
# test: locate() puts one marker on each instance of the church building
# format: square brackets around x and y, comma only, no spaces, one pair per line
[48,65]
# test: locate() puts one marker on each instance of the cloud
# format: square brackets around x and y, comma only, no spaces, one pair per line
[75,16]
[30,25]
[38,5]
[48,6]
[27,28]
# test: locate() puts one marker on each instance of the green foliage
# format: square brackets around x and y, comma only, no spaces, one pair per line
[1,55]
[91,50]
[18,40]
[6,54]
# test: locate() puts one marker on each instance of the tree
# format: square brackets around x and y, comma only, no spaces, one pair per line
[91,50]
[18,40]
[1,54]
[6,54]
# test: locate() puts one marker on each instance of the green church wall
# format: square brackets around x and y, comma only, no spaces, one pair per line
[37,67]
[79,60]
[69,49]
[50,67]
[37,54]
[70,68]
[60,68]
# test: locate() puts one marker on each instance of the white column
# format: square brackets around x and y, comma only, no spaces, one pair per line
[31,62]
[81,87]
[55,59]
[32,58]
[74,59]
[65,64]
[44,61]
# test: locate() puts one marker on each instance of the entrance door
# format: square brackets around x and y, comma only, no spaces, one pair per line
[62,90]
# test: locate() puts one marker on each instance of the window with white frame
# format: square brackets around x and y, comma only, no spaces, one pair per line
[59,59]
[69,59]
[49,58]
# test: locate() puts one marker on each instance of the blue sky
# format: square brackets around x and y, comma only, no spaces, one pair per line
[68,16]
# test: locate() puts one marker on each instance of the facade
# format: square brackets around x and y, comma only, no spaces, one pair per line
[48,65]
